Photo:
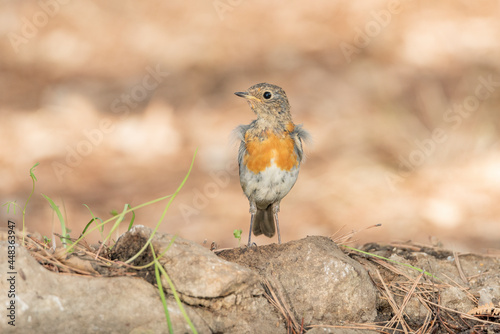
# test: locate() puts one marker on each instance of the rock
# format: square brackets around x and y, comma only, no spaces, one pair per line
[318,282]
[231,296]
[194,270]
[244,290]
[456,299]
[415,308]
[47,302]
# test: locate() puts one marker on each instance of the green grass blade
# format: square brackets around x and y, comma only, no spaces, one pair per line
[160,289]
[393,261]
[33,179]
[101,225]
[94,218]
[174,292]
[131,220]
[159,256]
[164,212]
[118,221]
[32,173]
[115,213]
[90,230]
[88,224]
[14,205]
[64,230]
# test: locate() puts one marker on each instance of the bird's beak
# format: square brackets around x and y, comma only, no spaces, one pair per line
[246,95]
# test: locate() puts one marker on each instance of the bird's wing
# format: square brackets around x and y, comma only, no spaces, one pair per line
[239,134]
[300,135]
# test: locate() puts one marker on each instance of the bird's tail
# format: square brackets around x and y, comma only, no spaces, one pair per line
[264,222]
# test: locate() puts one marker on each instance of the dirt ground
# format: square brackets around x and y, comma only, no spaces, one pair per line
[112,99]
[406,287]
[428,304]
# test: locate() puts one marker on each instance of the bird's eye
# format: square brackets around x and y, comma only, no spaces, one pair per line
[267,95]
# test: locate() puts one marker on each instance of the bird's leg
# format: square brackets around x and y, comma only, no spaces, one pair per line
[276,209]
[253,211]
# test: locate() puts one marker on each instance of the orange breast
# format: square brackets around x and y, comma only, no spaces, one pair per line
[261,152]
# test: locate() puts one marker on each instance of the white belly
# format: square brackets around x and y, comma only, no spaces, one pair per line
[268,186]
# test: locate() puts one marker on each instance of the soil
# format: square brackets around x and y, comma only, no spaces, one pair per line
[480,268]
[419,287]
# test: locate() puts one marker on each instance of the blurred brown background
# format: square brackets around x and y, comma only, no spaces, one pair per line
[112,98]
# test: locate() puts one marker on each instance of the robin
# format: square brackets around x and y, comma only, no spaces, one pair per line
[269,156]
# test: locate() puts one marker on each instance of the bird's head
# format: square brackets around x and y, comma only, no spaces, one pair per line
[267,100]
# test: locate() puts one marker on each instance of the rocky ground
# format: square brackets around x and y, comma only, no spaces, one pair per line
[399,137]
[310,285]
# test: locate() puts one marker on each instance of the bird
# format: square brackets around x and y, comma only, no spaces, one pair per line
[269,156]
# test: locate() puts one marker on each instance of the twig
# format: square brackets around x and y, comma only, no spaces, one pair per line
[408,296]
[279,303]
[459,267]
[392,302]
[464,289]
